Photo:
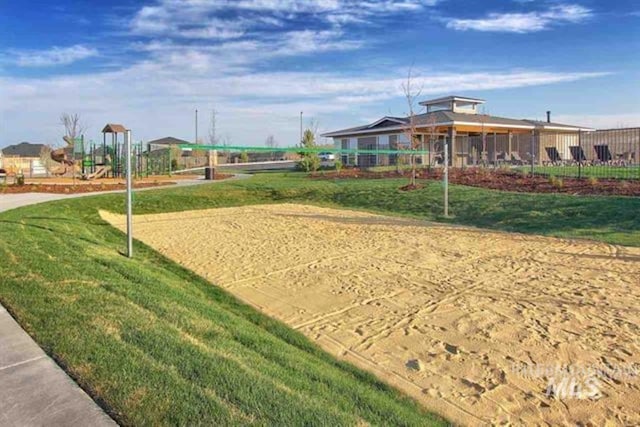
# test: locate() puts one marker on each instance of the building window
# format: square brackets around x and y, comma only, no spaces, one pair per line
[367,143]
[344,144]
[393,145]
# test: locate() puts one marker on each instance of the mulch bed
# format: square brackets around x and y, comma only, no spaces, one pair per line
[505,180]
[73,189]
[86,187]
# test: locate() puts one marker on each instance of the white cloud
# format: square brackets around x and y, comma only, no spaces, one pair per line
[157,97]
[182,22]
[197,19]
[190,56]
[523,22]
[235,56]
[50,57]
[307,41]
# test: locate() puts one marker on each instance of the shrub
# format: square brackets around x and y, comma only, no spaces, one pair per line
[310,160]
[20,179]
[555,181]
[593,181]
[338,165]
[309,163]
[244,157]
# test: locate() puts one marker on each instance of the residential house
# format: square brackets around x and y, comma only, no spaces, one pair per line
[23,158]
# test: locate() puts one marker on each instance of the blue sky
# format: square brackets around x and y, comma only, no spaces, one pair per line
[149,65]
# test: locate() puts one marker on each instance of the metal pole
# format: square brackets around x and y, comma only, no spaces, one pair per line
[579,154]
[533,155]
[446,176]
[129,195]
[82,139]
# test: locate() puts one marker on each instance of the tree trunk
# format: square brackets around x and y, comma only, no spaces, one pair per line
[413,170]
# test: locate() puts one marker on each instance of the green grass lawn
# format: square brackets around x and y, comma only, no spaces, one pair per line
[156,344]
[617,172]
[608,219]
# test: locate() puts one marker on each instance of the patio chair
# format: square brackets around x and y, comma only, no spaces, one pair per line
[516,159]
[565,159]
[436,160]
[503,157]
[531,158]
[577,153]
[603,153]
[554,156]
[625,159]
[3,176]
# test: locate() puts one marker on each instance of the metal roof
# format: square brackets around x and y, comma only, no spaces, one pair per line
[545,124]
[446,99]
[450,118]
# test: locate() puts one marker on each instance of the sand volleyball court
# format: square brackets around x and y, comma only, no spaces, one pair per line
[469,322]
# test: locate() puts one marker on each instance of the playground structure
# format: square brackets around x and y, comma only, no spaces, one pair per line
[89,160]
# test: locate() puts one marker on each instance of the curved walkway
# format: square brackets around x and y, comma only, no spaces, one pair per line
[12,201]
[35,391]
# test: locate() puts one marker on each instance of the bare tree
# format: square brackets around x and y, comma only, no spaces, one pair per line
[213,131]
[212,155]
[74,127]
[225,140]
[484,160]
[411,128]
[46,160]
[273,144]
[313,126]
[432,134]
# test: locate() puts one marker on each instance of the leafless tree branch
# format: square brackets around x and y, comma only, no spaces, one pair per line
[74,127]
[411,94]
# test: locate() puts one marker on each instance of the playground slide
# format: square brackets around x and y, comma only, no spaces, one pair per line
[99,173]
[60,156]
[60,170]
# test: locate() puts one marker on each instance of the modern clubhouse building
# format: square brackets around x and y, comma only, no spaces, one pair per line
[473,137]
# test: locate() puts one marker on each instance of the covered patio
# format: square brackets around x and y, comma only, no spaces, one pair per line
[474,138]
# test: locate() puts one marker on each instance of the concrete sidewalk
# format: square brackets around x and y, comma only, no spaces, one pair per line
[12,201]
[34,391]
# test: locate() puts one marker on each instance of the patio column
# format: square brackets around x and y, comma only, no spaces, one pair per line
[510,138]
[534,155]
[495,149]
[452,145]
[636,160]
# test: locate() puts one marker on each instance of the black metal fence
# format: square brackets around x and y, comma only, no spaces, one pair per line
[611,153]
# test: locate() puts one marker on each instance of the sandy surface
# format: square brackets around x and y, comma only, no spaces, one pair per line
[449,315]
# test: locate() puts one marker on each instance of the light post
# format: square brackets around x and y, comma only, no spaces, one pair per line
[446,176]
[127,149]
